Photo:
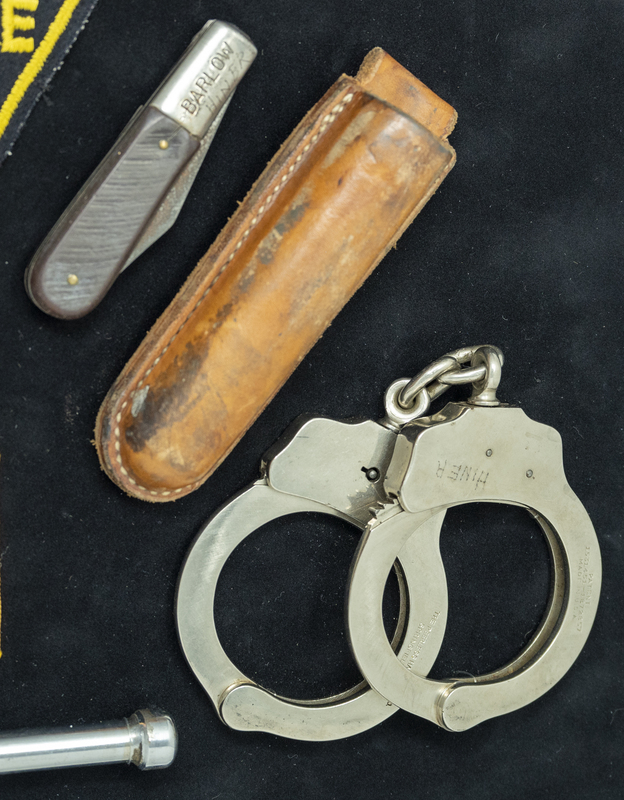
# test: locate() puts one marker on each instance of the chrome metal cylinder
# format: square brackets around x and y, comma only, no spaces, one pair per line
[147,739]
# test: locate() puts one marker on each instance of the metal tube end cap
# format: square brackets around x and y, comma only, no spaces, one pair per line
[156,739]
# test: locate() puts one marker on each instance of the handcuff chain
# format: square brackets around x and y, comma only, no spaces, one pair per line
[408,399]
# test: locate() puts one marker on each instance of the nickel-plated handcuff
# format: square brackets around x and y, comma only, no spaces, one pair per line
[394,479]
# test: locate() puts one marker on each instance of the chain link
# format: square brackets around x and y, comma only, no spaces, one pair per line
[408,399]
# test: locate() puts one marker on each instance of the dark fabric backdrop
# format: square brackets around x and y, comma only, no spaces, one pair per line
[520,247]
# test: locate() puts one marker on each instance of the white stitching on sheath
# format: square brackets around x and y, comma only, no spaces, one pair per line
[280,182]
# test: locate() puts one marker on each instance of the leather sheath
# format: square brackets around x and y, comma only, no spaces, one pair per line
[336,197]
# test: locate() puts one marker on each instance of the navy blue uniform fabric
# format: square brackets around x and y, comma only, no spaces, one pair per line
[34,37]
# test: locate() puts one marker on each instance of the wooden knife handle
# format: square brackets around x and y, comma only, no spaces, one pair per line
[90,244]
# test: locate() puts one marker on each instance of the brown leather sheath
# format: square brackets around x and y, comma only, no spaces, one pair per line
[336,197]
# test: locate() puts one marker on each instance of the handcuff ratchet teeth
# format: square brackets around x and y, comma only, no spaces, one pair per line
[395,479]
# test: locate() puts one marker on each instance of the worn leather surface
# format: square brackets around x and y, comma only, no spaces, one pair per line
[336,197]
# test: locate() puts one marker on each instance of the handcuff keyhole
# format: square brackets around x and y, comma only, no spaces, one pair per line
[372,474]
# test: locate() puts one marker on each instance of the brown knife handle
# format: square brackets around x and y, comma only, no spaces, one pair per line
[90,244]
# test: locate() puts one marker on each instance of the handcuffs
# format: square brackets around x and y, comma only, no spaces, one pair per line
[394,480]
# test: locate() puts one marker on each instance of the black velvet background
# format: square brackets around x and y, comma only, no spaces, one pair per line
[521,247]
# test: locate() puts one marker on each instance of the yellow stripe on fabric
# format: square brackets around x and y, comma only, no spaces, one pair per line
[36,62]
[0,610]
[12,22]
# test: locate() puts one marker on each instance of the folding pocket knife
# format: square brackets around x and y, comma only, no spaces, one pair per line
[136,193]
